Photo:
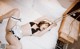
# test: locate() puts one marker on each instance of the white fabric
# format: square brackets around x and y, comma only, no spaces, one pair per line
[16,28]
[17,31]
[47,41]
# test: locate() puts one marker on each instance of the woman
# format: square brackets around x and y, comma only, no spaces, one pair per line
[36,28]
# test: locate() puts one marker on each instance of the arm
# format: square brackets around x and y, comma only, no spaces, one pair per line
[40,19]
[43,18]
[40,33]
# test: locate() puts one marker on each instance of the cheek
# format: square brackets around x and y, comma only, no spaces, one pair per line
[45,27]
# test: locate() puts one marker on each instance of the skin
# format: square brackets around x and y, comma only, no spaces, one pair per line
[13,42]
[44,26]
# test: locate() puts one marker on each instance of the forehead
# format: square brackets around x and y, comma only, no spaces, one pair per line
[47,21]
[46,24]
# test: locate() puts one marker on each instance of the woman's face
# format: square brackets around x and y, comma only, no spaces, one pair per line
[44,26]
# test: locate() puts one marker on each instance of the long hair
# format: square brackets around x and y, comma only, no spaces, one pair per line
[43,22]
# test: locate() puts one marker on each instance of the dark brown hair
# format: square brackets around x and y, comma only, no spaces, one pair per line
[42,22]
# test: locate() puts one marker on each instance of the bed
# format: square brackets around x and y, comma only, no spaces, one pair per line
[48,40]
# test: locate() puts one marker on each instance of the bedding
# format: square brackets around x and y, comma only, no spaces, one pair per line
[49,39]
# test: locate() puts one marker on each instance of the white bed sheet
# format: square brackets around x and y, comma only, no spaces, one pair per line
[47,41]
